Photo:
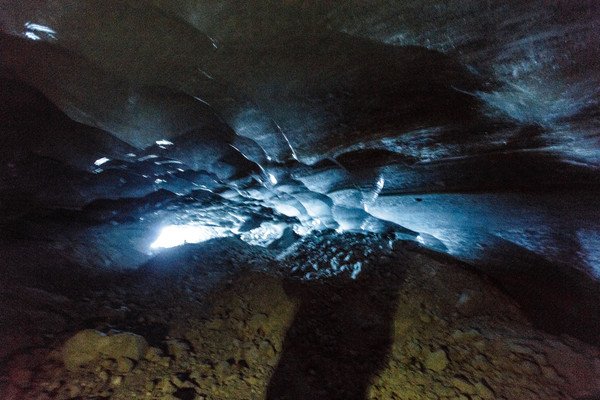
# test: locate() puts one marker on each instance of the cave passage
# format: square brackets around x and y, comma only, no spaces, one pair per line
[393,199]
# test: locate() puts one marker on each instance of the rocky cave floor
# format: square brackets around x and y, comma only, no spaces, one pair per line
[225,320]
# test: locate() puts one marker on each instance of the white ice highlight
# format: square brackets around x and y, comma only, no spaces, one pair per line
[39,28]
[177,235]
[32,36]
[34,29]
[101,161]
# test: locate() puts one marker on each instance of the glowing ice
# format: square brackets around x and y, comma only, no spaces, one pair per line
[39,28]
[177,235]
[264,235]
[32,28]
[148,157]
[101,161]
[273,179]
[307,227]
[32,36]
[356,268]
[287,209]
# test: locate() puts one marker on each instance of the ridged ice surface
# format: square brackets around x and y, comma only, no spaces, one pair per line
[469,127]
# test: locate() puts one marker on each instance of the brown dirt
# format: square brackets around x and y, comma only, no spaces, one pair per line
[409,327]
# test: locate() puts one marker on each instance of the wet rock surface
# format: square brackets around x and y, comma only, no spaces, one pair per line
[411,325]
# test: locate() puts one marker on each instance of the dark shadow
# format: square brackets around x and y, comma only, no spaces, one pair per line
[340,336]
[557,298]
[185,394]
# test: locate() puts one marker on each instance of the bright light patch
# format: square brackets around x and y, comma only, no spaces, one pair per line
[101,161]
[307,227]
[177,235]
[167,162]
[32,36]
[264,235]
[39,28]
[273,179]
[164,142]
[214,43]
[287,209]
[374,194]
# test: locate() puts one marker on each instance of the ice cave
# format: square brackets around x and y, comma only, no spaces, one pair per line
[298,200]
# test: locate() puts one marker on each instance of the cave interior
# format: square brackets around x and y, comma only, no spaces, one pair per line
[299,200]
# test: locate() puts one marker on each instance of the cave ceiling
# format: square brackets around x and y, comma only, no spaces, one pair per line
[469,127]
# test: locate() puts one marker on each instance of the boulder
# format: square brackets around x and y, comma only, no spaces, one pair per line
[82,348]
[124,345]
[437,361]
[90,345]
